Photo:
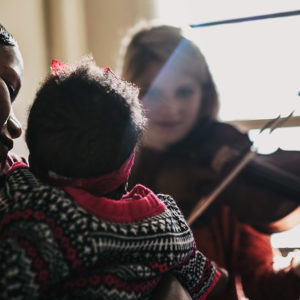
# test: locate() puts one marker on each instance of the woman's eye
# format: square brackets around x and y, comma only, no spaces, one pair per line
[184,93]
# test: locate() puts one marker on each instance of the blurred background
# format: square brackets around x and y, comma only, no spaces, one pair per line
[65,30]
[256,65]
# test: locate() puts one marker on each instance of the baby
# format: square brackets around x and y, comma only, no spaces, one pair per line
[71,230]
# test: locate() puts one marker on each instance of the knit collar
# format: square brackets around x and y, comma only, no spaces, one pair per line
[99,185]
[137,204]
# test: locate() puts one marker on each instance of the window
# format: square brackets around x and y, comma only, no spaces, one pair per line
[256,65]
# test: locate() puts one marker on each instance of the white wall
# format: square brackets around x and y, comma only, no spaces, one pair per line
[109,21]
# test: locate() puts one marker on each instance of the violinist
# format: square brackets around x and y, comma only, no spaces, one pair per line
[185,151]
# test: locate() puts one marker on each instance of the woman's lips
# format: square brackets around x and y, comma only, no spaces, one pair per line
[167,124]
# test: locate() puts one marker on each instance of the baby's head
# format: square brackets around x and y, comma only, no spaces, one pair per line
[84,122]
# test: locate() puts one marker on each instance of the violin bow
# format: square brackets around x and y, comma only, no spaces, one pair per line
[247,19]
[206,201]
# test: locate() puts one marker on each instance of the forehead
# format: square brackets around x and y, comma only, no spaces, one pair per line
[11,61]
[164,77]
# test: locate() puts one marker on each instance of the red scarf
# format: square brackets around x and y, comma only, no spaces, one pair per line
[138,204]
[97,186]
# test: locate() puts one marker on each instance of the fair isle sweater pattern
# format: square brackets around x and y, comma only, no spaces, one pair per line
[51,248]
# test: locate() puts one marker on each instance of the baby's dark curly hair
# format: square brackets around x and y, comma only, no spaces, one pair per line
[84,122]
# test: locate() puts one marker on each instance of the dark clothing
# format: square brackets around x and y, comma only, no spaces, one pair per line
[189,170]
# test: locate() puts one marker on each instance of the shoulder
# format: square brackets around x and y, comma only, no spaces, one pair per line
[24,192]
[169,202]
[174,211]
[229,133]
[209,135]
[21,182]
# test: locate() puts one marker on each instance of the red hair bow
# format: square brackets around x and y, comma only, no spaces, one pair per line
[57,66]
[108,70]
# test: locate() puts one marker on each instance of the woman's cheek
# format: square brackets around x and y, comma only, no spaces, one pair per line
[5,105]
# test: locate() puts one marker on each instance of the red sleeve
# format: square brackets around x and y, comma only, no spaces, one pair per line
[197,275]
[260,281]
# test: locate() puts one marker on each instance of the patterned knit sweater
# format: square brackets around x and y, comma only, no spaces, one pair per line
[52,248]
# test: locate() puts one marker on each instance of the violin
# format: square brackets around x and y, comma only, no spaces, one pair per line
[269,190]
[270,176]
[265,194]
